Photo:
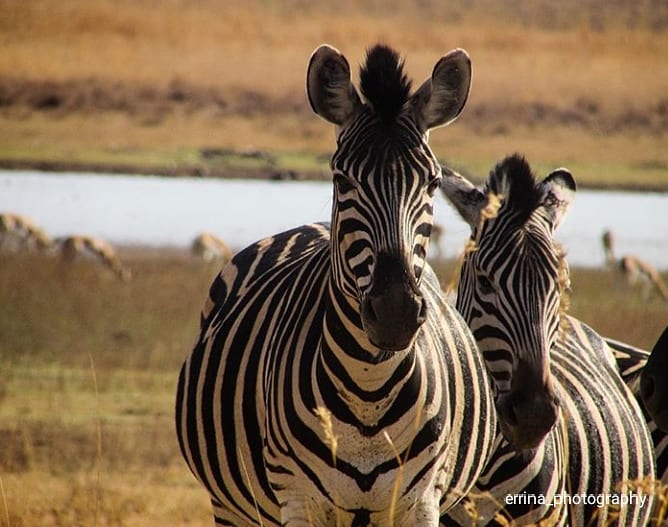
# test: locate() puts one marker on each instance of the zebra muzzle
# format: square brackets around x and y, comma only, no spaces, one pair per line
[529,411]
[394,308]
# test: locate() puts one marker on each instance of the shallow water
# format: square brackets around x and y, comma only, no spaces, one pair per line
[159,211]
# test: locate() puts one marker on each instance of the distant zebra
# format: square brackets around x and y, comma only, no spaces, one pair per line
[510,293]
[77,247]
[331,385]
[210,248]
[18,233]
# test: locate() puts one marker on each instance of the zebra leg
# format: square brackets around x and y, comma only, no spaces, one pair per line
[425,514]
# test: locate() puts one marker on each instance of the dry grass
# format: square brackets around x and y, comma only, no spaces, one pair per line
[112,458]
[581,85]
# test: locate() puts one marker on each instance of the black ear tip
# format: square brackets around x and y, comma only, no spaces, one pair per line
[564,175]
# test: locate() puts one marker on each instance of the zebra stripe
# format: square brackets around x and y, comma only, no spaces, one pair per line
[510,293]
[331,384]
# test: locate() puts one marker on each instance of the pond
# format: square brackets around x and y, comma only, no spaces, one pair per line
[170,212]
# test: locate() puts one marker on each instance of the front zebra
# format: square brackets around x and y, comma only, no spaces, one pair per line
[510,293]
[331,384]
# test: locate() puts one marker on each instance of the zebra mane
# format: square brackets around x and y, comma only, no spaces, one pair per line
[513,179]
[383,82]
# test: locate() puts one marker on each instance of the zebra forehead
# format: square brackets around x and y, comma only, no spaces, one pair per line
[527,247]
[514,181]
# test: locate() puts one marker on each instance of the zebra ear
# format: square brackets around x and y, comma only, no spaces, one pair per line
[559,190]
[329,86]
[467,199]
[441,99]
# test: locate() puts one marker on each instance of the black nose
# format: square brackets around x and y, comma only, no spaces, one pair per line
[394,309]
[526,420]
[529,410]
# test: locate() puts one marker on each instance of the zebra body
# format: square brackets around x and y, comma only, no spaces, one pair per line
[290,375]
[331,384]
[654,382]
[510,295]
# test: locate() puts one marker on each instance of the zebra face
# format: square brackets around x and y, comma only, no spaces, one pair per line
[381,222]
[510,289]
[385,176]
[514,311]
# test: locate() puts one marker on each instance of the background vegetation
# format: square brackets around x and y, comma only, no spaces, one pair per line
[153,85]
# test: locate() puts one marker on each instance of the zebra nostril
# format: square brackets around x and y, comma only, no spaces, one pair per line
[511,415]
[368,311]
[506,411]
[646,387]
[422,315]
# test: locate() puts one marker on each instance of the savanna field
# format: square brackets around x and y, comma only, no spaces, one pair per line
[88,364]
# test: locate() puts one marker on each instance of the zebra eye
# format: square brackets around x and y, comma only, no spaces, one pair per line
[433,186]
[485,284]
[343,184]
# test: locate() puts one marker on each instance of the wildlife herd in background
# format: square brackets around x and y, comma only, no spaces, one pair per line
[20,234]
[332,383]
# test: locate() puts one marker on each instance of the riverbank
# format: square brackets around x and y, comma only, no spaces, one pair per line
[654,183]
[198,88]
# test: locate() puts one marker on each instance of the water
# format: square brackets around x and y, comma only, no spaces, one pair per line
[156,211]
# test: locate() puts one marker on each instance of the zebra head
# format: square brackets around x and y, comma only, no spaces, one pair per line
[654,382]
[511,287]
[385,177]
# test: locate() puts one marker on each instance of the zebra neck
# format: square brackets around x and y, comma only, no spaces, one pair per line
[352,370]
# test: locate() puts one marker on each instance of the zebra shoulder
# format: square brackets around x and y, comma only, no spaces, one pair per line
[264,256]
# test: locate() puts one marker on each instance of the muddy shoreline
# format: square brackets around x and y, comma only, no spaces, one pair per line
[202,171]
[197,171]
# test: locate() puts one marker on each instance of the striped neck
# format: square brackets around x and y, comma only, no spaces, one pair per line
[353,375]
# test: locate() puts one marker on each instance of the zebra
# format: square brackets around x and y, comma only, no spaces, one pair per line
[646,379]
[511,294]
[331,384]
[210,248]
[654,383]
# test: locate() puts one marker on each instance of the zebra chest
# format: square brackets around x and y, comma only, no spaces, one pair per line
[346,477]
[355,453]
